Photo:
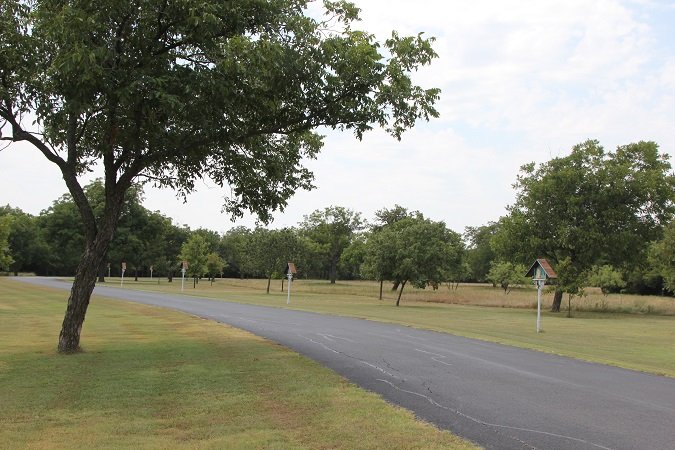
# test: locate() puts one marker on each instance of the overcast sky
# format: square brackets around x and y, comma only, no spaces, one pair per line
[521,81]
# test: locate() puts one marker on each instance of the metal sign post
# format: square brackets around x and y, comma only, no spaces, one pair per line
[183,270]
[290,280]
[540,287]
[151,267]
[290,270]
[124,268]
[108,270]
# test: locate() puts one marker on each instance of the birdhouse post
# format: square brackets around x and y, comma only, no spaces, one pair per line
[183,269]
[290,271]
[541,271]
[124,269]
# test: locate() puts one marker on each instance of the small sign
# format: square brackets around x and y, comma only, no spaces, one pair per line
[124,266]
[151,267]
[185,265]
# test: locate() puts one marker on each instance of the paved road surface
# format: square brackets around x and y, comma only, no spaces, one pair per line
[498,396]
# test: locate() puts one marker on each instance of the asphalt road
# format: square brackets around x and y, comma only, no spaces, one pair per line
[497,396]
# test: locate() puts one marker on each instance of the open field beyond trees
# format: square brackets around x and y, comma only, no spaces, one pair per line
[152,378]
[642,340]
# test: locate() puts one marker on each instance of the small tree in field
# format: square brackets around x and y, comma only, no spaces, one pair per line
[170,92]
[507,275]
[607,278]
[214,265]
[195,252]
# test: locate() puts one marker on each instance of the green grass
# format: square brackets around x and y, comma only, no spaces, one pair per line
[153,378]
[644,342]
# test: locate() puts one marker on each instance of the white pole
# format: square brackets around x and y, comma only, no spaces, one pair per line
[122,281]
[182,281]
[290,279]
[540,286]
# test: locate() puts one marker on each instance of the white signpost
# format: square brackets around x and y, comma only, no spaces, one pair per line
[290,270]
[124,268]
[108,270]
[183,270]
[151,267]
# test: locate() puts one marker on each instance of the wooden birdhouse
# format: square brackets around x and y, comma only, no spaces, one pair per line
[541,270]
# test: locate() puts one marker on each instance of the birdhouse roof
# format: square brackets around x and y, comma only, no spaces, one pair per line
[544,264]
[291,268]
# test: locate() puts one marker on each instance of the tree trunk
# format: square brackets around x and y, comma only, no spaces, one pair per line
[333,270]
[135,274]
[269,281]
[398,300]
[101,273]
[381,283]
[394,287]
[80,294]
[557,300]
[569,305]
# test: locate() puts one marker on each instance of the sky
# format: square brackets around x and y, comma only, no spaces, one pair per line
[521,81]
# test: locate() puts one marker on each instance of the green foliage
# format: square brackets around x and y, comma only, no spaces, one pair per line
[414,250]
[570,280]
[507,275]
[591,207]
[607,278]
[266,252]
[214,264]
[173,92]
[238,85]
[143,238]
[331,230]
[662,257]
[351,260]
[233,248]
[479,254]
[5,256]
[26,244]
[195,252]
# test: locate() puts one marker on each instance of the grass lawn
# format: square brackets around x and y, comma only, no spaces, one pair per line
[153,378]
[637,341]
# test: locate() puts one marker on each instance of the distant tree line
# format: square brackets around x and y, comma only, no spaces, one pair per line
[602,219]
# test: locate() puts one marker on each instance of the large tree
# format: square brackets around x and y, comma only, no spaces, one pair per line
[267,252]
[332,230]
[415,250]
[590,207]
[172,91]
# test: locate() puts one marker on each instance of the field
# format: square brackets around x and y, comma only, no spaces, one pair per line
[628,331]
[153,378]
